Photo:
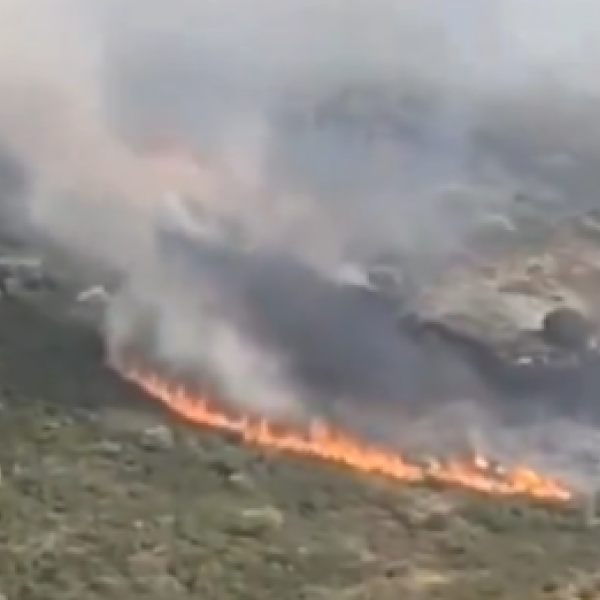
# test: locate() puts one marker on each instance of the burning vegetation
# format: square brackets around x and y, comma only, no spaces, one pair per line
[326,443]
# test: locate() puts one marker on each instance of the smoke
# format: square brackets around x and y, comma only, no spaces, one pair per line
[318,122]
[366,116]
[84,182]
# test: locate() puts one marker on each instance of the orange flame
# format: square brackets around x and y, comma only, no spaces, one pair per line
[325,443]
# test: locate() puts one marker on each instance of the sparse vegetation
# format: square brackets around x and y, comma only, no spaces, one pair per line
[103,497]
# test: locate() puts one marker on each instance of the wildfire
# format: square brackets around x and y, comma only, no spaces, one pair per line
[325,443]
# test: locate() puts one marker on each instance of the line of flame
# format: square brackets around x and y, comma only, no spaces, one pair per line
[325,443]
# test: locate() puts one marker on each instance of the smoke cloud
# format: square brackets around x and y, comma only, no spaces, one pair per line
[318,123]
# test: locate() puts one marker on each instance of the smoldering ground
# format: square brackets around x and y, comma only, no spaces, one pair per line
[361,115]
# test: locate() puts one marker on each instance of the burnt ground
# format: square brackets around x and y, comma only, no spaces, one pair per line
[103,496]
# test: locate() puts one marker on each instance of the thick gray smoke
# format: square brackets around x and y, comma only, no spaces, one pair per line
[317,122]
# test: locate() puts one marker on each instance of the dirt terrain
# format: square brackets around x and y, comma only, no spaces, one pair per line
[102,495]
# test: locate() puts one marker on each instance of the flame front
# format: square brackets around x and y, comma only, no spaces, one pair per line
[327,444]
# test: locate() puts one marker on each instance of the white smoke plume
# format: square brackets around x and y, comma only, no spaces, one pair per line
[256,88]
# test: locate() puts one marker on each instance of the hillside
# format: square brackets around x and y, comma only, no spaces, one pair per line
[103,496]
